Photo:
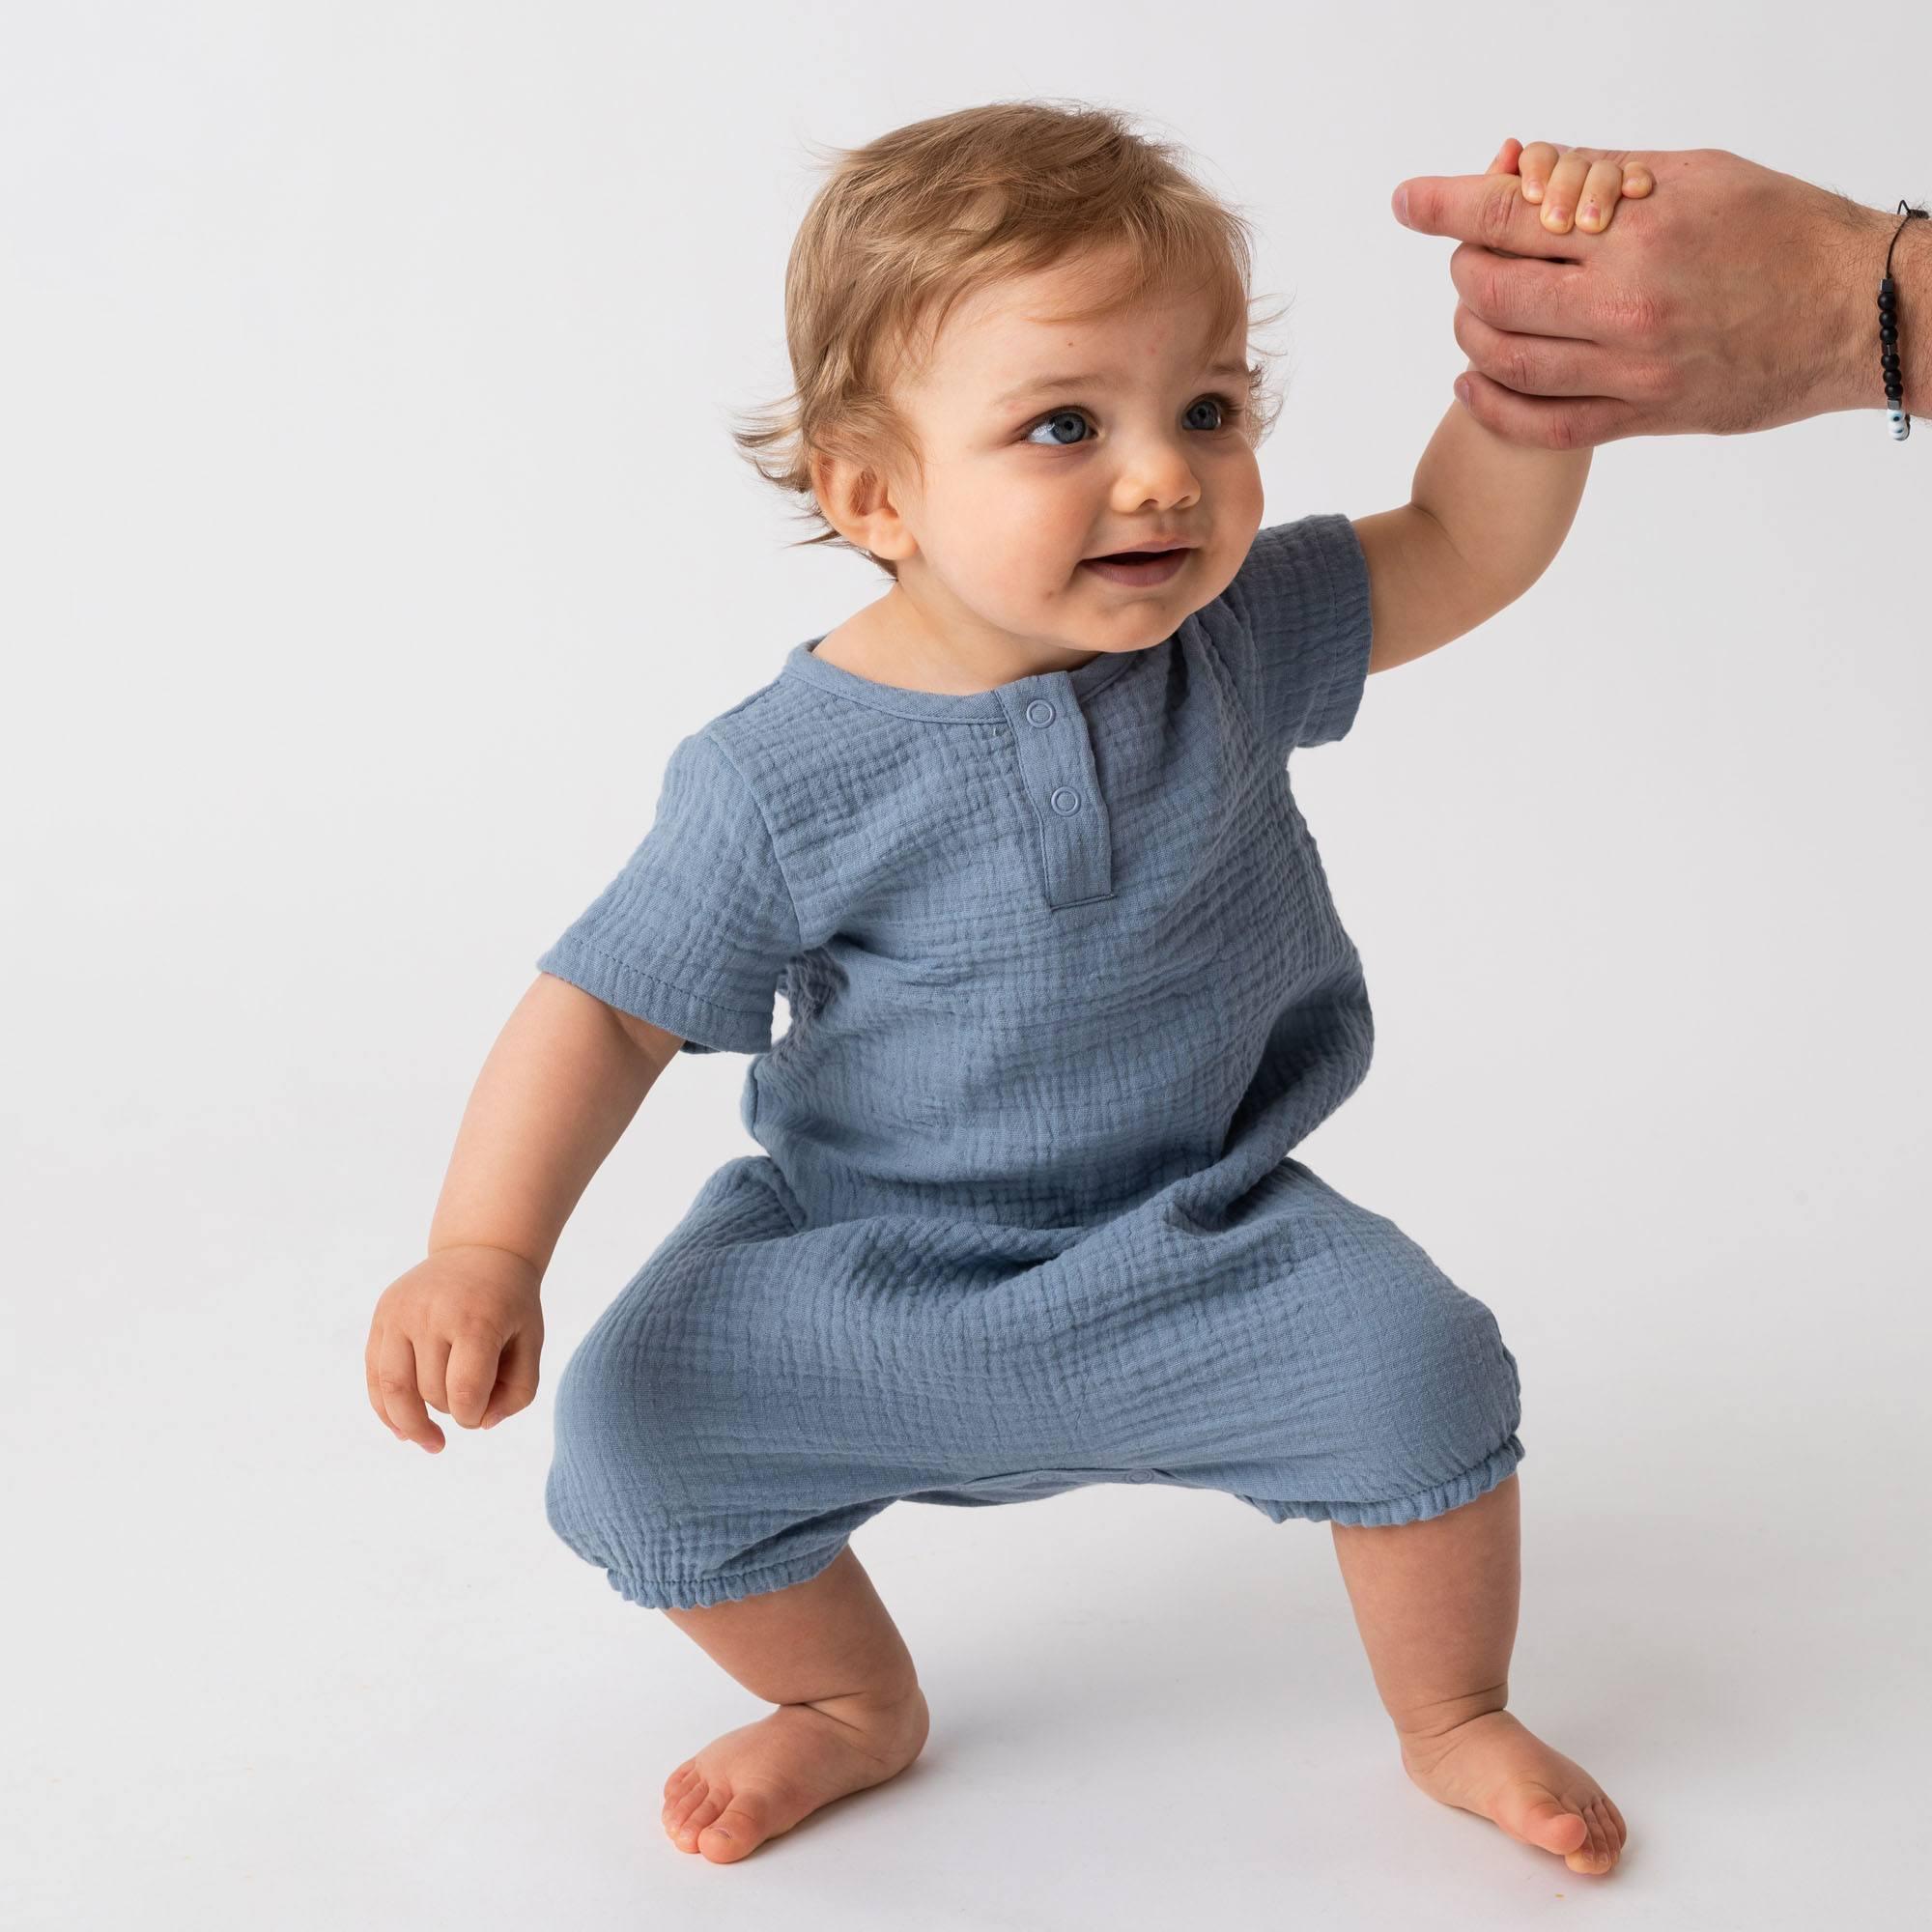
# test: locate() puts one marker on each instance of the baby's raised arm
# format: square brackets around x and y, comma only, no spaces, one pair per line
[462,1329]
[1485,515]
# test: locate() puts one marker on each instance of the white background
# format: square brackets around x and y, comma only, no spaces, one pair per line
[370,533]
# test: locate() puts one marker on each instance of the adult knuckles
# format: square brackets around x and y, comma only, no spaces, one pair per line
[1518,365]
[1496,205]
[1564,429]
[1486,284]
[1633,312]
[1478,278]
[1503,358]
[1442,203]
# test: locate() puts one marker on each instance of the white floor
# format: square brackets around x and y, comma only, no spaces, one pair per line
[270,1668]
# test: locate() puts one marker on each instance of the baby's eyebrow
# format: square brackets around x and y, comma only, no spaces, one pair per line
[1099,376]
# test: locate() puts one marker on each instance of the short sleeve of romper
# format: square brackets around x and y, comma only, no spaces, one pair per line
[694,934]
[1302,595]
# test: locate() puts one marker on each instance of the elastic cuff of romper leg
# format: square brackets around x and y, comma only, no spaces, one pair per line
[697,1593]
[1492,1469]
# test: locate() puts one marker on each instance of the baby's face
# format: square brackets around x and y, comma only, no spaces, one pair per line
[1048,444]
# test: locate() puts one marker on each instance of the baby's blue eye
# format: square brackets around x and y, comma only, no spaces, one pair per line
[1226,406]
[1058,417]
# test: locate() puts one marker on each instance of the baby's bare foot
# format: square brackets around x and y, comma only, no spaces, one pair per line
[1493,1767]
[761,1779]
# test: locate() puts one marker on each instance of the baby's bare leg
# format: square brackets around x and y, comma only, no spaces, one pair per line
[850,1710]
[1435,1602]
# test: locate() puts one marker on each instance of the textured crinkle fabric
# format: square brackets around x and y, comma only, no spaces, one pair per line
[1067,986]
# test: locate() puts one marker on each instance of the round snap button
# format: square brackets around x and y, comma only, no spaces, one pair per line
[1039,712]
[1065,800]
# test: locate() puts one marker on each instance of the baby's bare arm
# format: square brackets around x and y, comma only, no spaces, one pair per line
[1486,515]
[461,1330]
[1485,519]
[565,1078]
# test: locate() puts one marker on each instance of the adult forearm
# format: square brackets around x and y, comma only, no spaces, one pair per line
[559,1087]
[1848,275]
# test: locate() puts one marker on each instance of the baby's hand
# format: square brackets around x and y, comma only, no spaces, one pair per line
[461,1331]
[1588,181]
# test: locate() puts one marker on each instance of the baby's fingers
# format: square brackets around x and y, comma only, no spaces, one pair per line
[1583,183]
[516,1377]
[1608,182]
[1577,178]
[401,1401]
[371,1374]
[470,1376]
[1506,157]
[1534,164]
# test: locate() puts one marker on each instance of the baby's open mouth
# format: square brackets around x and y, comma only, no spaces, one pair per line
[1137,566]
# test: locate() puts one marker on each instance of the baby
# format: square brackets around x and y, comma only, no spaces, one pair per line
[1065,983]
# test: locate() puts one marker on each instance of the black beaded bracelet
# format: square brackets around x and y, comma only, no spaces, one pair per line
[1888,337]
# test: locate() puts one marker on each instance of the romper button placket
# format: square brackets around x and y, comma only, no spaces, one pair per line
[1074,850]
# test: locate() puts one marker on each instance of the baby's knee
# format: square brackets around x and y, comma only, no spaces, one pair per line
[610,1462]
[1438,1391]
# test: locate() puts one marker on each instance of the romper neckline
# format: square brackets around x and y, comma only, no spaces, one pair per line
[952,707]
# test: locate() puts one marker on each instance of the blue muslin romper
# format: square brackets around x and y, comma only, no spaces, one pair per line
[1066,986]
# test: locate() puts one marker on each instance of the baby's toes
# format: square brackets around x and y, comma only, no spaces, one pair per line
[682,1789]
[1617,1819]
[1598,1853]
[1540,1817]
[687,1816]
[740,1828]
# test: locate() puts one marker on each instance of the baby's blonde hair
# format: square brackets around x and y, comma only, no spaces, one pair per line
[910,223]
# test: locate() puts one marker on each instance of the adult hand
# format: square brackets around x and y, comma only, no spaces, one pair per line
[1731,297]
